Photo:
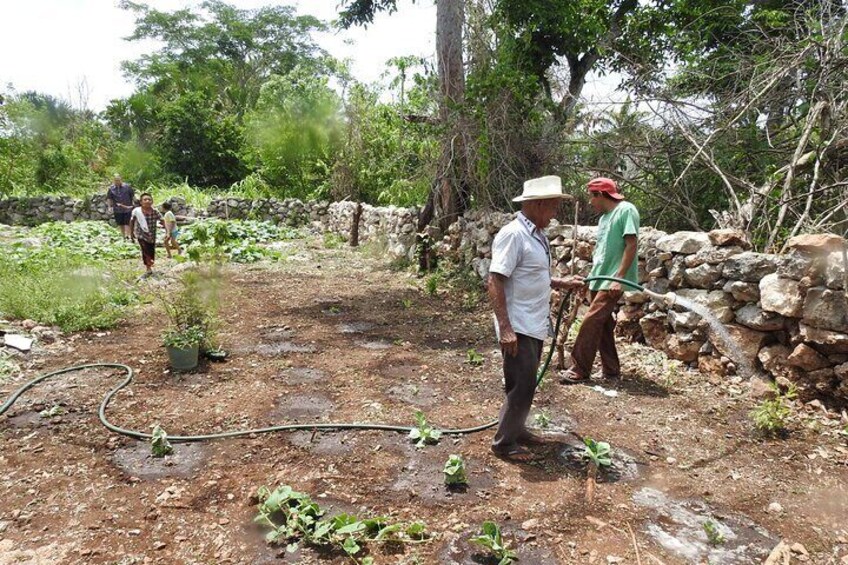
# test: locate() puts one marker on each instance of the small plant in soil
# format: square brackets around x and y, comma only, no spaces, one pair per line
[541,419]
[406,303]
[474,358]
[490,538]
[771,415]
[159,444]
[714,536]
[294,518]
[423,434]
[454,470]
[51,412]
[598,454]
[432,283]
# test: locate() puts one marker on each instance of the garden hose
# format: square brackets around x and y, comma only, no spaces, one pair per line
[240,433]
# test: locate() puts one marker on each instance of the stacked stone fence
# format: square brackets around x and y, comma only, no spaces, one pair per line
[787,313]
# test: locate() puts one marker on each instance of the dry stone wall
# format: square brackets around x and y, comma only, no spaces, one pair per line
[787,313]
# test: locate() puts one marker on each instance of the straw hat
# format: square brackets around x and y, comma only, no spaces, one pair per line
[542,188]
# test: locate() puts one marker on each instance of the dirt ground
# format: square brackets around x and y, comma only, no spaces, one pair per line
[338,336]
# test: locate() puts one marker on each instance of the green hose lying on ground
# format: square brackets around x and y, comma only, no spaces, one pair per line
[282,428]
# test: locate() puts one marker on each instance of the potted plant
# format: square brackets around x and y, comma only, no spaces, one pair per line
[191,323]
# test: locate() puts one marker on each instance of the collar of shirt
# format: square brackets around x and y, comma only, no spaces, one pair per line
[537,234]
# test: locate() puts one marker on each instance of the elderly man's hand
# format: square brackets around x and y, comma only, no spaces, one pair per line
[615,290]
[509,342]
[573,282]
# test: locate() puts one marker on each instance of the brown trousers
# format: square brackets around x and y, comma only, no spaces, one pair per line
[520,387]
[597,335]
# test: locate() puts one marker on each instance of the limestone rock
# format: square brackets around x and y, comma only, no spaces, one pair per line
[743,291]
[835,270]
[729,237]
[703,276]
[781,295]
[826,341]
[654,329]
[719,303]
[816,243]
[685,242]
[826,309]
[806,358]
[712,255]
[749,266]
[799,264]
[754,317]
[748,341]
[774,357]
[683,320]
[677,348]
[841,372]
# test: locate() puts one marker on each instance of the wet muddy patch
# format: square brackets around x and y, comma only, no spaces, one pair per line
[459,551]
[283,333]
[283,347]
[48,416]
[136,460]
[302,408]
[678,526]
[355,327]
[625,466]
[301,375]
[419,395]
[422,475]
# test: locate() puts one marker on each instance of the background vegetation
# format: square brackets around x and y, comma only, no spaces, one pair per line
[733,113]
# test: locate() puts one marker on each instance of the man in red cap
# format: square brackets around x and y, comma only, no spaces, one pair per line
[614,256]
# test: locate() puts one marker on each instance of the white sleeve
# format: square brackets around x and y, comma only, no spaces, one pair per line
[506,251]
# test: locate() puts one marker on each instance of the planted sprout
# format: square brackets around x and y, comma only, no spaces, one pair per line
[491,539]
[597,452]
[159,444]
[771,416]
[455,471]
[474,358]
[714,536]
[50,412]
[423,434]
[541,419]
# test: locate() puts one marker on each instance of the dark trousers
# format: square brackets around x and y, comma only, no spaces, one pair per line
[520,386]
[597,335]
[148,252]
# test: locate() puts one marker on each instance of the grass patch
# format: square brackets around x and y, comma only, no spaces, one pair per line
[58,288]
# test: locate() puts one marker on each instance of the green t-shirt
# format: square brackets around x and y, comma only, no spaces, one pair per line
[609,249]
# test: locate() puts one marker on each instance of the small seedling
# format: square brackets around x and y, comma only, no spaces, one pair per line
[714,536]
[50,412]
[541,419]
[771,415]
[159,444]
[334,309]
[490,538]
[474,358]
[423,434]
[597,452]
[406,303]
[455,471]
[432,283]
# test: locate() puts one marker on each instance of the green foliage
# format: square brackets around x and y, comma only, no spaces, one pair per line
[490,538]
[191,312]
[295,131]
[51,412]
[8,368]
[96,240]
[541,419]
[332,240]
[599,453]
[54,286]
[294,518]
[423,434]
[771,415]
[159,444]
[432,283]
[714,535]
[455,471]
[240,241]
[474,358]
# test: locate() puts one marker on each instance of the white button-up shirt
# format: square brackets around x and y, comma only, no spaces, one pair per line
[521,253]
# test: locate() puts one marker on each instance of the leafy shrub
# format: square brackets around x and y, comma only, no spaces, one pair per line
[491,539]
[191,312]
[240,241]
[55,287]
[455,471]
[333,240]
[771,415]
[89,239]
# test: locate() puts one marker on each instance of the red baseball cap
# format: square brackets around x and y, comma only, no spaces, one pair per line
[603,184]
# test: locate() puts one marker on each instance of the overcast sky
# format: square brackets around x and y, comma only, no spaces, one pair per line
[53,46]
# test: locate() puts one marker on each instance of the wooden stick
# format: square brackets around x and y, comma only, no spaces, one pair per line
[635,545]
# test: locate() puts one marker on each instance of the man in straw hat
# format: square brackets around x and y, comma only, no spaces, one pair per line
[614,256]
[520,287]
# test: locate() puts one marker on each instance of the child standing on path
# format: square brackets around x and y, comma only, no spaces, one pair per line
[143,222]
[171,232]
